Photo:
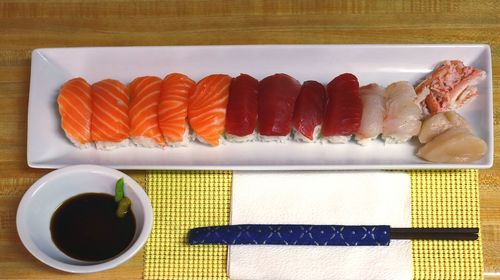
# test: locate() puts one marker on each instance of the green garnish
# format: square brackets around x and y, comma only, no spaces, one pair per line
[123,201]
[119,192]
[123,207]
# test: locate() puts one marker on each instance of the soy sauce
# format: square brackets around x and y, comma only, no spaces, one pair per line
[85,227]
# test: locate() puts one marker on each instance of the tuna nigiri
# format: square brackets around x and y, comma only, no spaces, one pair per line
[172,110]
[75,107]
[144,100]
[207,108]
[309,111]
[110,122]
[277,95]
[372,120]
[403,114]
[344,109]
[241,118]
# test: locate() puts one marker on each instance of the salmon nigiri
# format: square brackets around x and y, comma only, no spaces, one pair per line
[75,107]
[207,108]
[144,101]
[172,110]
[110,122]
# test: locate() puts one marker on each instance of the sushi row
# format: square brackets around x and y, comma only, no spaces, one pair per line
[155,112]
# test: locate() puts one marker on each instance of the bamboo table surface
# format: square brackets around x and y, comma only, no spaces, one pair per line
[29,24]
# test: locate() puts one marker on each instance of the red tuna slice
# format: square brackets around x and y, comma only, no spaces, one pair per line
[309,108]
[241,114]
[277,95]
[344,107]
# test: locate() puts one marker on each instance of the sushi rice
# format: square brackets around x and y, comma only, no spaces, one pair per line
[278,139]
[146,142]
[365,141]
[222,141]
[338,139]
[78,144]
[187,137]
[299,137]
[395,140]
[107,146]
[241,139]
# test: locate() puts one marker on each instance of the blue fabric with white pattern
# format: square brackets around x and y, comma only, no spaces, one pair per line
[321,235]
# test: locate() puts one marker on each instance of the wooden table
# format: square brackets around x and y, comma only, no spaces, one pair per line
[29,24]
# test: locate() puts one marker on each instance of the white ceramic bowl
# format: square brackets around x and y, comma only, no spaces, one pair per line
[49,192]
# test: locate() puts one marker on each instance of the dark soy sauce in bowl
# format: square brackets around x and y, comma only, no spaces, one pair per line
[85,227]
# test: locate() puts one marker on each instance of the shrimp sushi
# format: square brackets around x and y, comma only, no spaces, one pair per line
[403,114]
[308,112]
[277,96]
[343,110]
[75,108]
[144,101]
[110,121]
[207,108]
[241,119]
[173,107]
[372,119]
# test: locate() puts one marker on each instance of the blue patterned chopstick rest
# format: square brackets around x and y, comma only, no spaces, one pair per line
[322,235]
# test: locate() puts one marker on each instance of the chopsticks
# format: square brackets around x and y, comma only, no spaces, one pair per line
[321,235]
[435,233]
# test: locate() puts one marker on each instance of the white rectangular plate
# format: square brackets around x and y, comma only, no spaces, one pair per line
[383,64]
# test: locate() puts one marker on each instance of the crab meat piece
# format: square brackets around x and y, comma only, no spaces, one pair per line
[450,86]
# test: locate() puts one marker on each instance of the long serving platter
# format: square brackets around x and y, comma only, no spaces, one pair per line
[383,64]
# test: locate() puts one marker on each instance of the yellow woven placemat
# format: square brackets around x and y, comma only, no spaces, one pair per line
[187,199]
[446,199]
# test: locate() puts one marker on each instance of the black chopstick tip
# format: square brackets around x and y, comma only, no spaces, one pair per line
[467,234]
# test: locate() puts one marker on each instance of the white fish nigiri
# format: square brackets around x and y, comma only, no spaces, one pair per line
[372,119]
[403,114]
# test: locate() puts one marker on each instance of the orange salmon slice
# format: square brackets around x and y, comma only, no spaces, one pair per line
[173,107]
[145,98]
[207,108]
[110,106]
[75,108]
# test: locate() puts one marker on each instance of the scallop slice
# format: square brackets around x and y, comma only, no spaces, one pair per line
[439,123]
[456,145]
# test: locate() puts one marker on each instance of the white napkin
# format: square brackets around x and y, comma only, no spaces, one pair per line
[349,198]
